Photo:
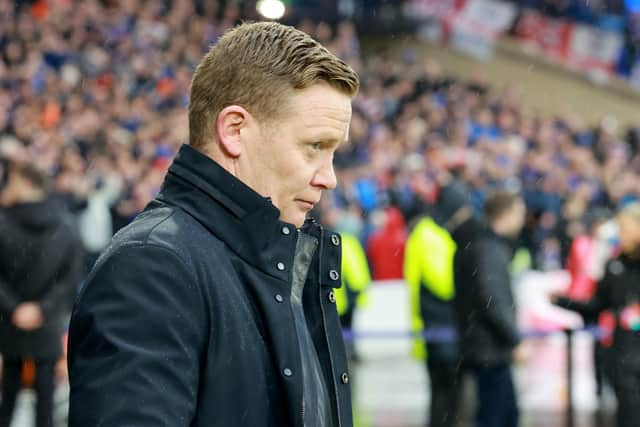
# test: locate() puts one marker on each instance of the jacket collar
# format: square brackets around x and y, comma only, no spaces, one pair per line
[245,221]
[213,180]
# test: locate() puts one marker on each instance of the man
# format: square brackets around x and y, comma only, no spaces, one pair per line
[40,269]
[428,268]
[216,307]
[487,326]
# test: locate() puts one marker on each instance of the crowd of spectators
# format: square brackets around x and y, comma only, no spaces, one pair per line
[95,93]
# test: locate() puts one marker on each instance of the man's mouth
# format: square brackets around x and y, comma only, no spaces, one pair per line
[307,204]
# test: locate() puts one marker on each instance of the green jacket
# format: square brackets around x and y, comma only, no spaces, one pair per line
[355,273]
[428,262]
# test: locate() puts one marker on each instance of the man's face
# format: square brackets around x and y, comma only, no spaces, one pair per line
[291,159]
[517,216]
[629,233]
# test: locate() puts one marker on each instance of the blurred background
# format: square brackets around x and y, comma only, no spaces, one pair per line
[539,97]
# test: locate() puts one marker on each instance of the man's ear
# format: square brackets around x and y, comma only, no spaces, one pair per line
[230,122]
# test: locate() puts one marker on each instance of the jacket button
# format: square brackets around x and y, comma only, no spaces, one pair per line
[334,275]
[280,266]
[287,372]
[344,378]
[335,240]
[332,297]
[286,231]
[279,298]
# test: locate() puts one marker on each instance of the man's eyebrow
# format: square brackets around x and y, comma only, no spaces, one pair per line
[328,139]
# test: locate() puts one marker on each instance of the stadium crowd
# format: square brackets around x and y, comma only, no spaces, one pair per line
[95,94]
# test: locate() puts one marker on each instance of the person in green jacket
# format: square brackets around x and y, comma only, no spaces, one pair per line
[355,280]
[428,271]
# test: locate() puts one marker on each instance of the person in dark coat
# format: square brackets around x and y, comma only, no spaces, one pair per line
[40,269]
[485,306]
[215,306]
[619,292]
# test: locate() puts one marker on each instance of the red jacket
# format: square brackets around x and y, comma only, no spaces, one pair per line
[583,285]
[385,247]
[581,253]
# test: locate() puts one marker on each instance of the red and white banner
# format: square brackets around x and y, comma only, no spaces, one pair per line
[594,49]
[545,35]
[478,25]
[579,46]
[437,16]
[472,26]
[487,18]
[425,9]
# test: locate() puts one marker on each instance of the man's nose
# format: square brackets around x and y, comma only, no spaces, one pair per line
[325,177]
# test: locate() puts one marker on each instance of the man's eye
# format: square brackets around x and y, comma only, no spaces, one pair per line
[315,146]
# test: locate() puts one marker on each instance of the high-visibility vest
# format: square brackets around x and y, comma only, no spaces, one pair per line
[428,261]
[520,262]
[355,273]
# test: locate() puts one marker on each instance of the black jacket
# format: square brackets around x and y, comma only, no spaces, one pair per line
[40,261]
[618,291]
[186,318]
[485,307]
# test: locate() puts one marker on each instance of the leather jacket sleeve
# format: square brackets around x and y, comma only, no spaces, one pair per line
[136,342]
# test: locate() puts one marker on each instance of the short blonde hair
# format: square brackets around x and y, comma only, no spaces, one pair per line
[257,66]
[500,202]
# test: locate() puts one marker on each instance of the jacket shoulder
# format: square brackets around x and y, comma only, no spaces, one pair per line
[170,228]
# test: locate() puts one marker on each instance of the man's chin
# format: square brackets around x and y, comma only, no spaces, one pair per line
[297,219]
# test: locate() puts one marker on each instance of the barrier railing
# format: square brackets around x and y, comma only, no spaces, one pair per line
[444,334]
[447,334]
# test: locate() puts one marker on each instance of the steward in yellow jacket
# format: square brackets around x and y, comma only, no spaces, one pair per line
[355,279]
[428,272]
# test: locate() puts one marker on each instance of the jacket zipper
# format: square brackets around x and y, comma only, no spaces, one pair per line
[324,328]
[302,406]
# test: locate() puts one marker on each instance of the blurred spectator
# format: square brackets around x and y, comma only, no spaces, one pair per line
[40,269]
[582,287]
[96,223]
[428,269]
[582,256]
[486,310]
[386,246]
[618,292]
